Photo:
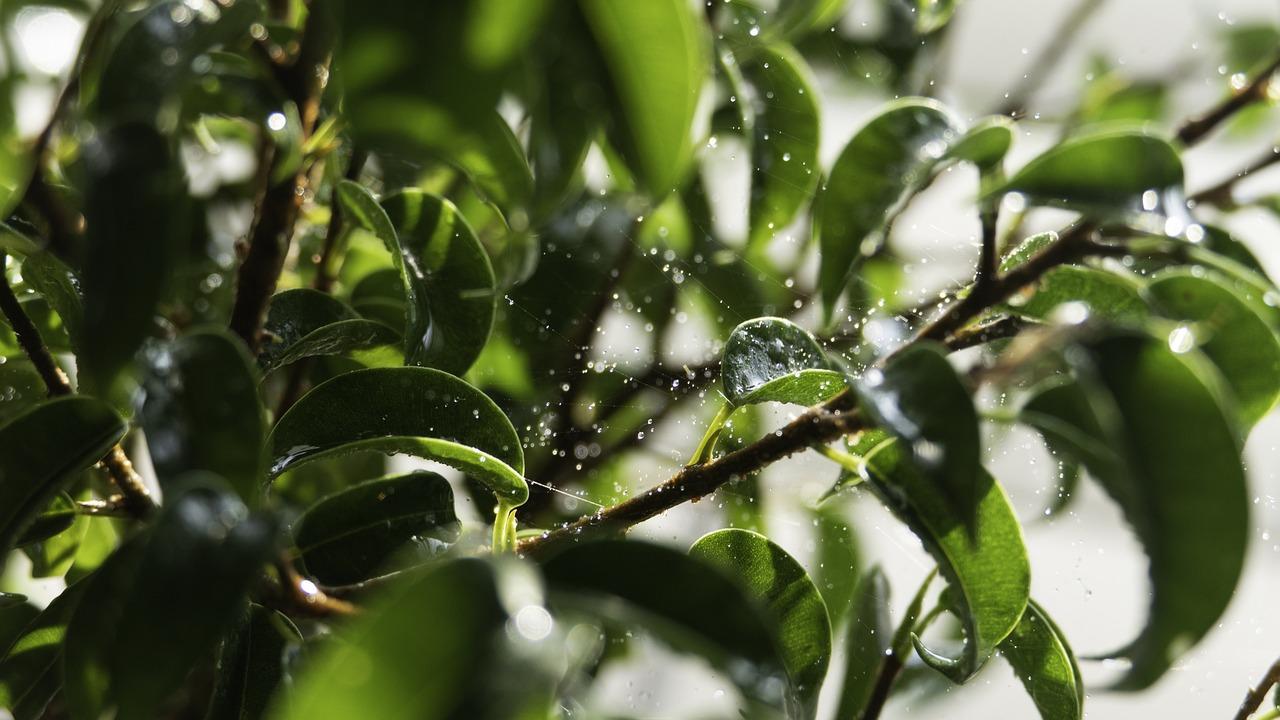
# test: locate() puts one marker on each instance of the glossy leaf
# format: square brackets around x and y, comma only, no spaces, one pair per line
[775,360]
[41,450]
[656,49]
[918,397]
[1044,663]
[1227,330]
[30,672]
[1103,294]
[43,272]
[353,535]
[883,166]
[866,640]
[784,153]
[980,554]
[1026,250]
[202,411]
[251,664]
[308,323]
[417,411]
[710,615]
[790,599]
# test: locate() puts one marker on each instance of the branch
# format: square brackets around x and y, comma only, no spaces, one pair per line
[1253,700]
[1221,194]
[1016,101]
[1195,130]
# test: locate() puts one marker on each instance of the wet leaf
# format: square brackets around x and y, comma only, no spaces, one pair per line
[886,163]
[202,411]
[43,449]
[1044,663]
[791,601]
[1026,250]
[1103,294]
[417,411]
[43,272]
[784,153]
[307,323]
[354,535]
[23,388]
[866,640]
[654,49]
[30,672]
[775,360]
[251,664]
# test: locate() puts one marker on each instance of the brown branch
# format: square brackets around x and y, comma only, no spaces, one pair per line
[1253,700]
[1016,101]
[1221,193]
[1195,130]
[890,668]
[296,595]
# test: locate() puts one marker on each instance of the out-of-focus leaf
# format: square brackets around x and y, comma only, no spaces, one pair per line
[986,143]
[918,397]
[790,599]
[1103,294]
[59,515]
[784,154]
[656,49]
[802,16]
[43,272]
[932,15]
[980,554]
[135,220]
[886,163]
[710,616]
[202,411]
[21,387]
[1229,332]
[839,559]
[566,116]
[866,639]
[418,411]
[775,360]
[251,664]
[41,450]
[54,555]
[353,535]
[1043,661]
[29,671]
[169,593]
[308,323]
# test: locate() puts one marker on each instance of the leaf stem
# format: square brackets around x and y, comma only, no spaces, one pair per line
[894,660]
[848,461]
[707,445]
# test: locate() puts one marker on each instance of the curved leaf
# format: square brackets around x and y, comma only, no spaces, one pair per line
[352,535]
[308,323]
[419,411]
[655,49]
[784,154]
[774,360]
[202,411]
[1044,663]
[41,450]
[790,599]
[981,555]
[889,160]
[251,664]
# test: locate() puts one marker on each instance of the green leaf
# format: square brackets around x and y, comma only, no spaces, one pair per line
[418,411]
[308,323]
[784,154]
[1043,661]
[354,535]
[839,559]
[886,163]
[169,593]
[866,640]
[1027,249]
[709,614]
[802,16]
[30,672]
[1106,171]
[1103,294]
[918,397]
[135,216]
[43,272]
[202,411]
[24,388]
[981,555]
[655,49]
[1227,330]
[933,15]
[986,143]
[41,450]
[774,360]
[57,517]
[790,599]
[447,619]
[565,118]
[251,664]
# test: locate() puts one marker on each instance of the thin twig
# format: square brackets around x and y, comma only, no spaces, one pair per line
[1221,193]
[1253,700]
[1016,101]
[1196,129]
[890,668]
[304,597]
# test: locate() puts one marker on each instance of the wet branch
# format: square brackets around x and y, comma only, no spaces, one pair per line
[1196,129]
[1253,700]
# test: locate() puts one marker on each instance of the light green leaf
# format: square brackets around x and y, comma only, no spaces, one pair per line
[30,672]
[1027,249]
[1104,294]
[933,15]
[307,323]
[1044,663]
[986,143]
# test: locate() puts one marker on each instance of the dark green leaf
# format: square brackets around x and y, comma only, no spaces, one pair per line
[775,360]
[202,411]
[55,555]
[29,673]
[1027,249]
[1101,293]
[41,450]
[43,272]
[22,385]
[418,411]
[251,665]
[790,599]
[1043,661]
[57,517]
[308,323]
[866,639]
[886,163]
[353,535]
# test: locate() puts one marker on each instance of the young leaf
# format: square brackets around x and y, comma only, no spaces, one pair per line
[784,154]
[1044,663]
[352,535]
[308,323]
[202,411]
[774,360]
[866,639]
[659,48]
[41,450]
[790,600]
[417,411]
[251,664]
[919,398]
[980,555]
[1229,331]
[886,163]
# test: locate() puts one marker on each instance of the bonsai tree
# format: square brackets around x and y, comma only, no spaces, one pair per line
[262,252]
